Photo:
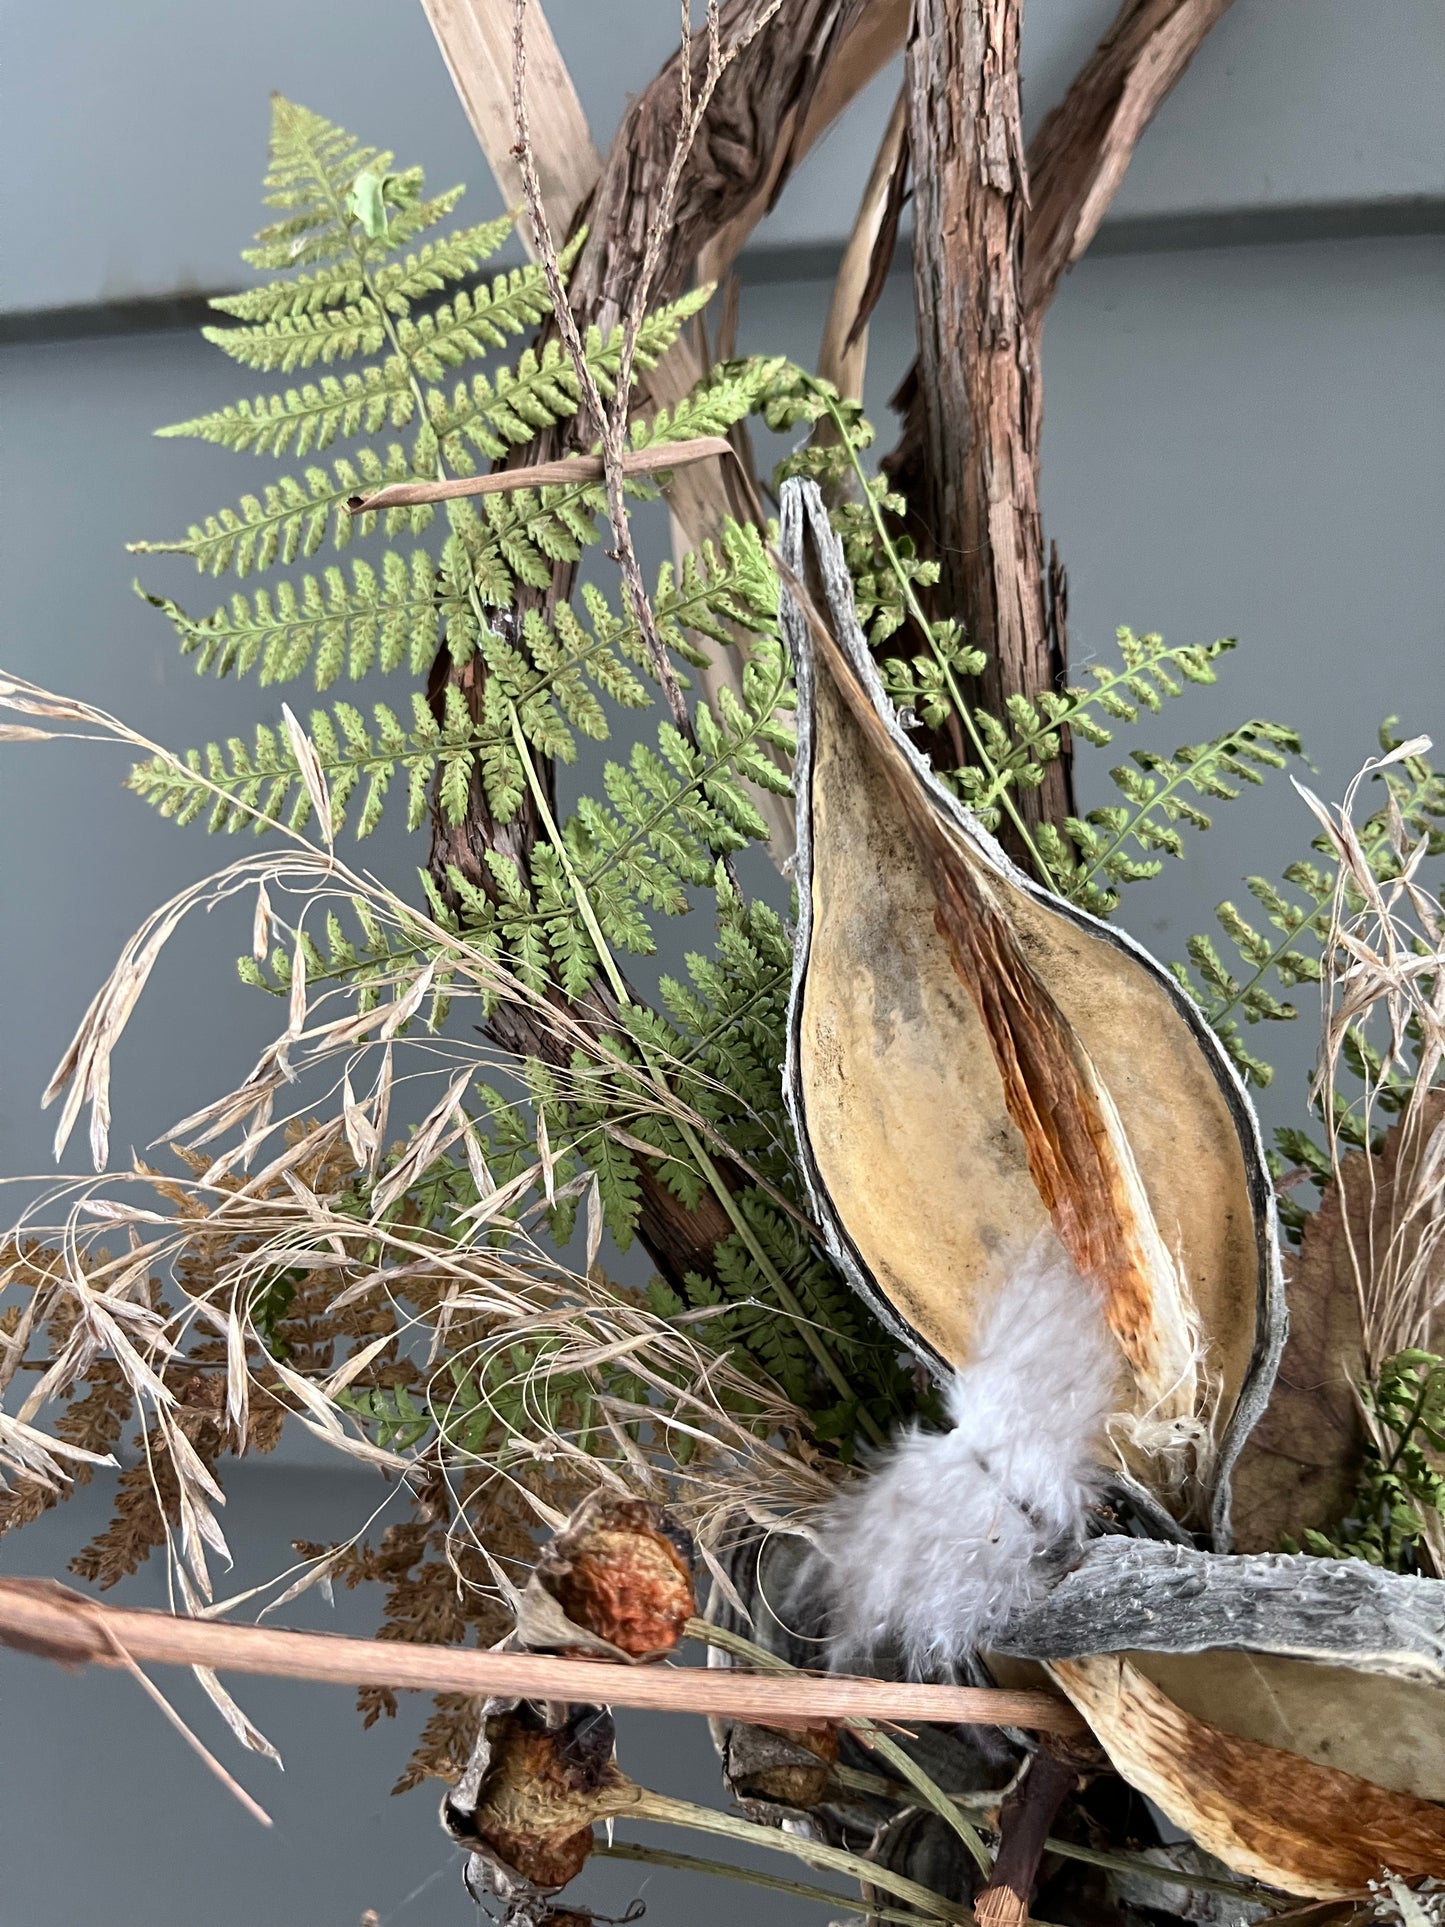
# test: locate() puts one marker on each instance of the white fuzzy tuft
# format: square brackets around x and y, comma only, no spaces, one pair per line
[954,1533]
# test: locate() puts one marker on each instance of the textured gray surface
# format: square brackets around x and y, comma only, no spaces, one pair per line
[1125,1593]
[132,135]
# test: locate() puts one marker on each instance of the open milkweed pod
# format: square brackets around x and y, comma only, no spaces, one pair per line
[1287,1712]
[973,1063]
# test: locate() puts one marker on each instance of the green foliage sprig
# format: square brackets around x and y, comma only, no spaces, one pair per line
[1401,1486]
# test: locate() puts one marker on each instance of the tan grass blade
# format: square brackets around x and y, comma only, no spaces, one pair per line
[843,355]
[475,37]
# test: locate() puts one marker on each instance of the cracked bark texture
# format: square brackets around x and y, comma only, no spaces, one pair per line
[976,367]
[994,232]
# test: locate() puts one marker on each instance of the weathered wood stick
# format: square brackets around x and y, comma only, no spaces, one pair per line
[46,1619]
[574,468]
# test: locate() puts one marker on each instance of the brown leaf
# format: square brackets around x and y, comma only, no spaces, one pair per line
[1301,1465]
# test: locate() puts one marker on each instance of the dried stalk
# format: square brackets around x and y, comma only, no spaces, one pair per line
[1024,1822]
[45,1619]
[475,38]
[749,1876]
[574,468]
[813,1853]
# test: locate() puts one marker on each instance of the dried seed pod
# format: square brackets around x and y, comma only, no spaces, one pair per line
[619,1579]
[531,1795]
[772,1768]
[1311,1830]
[1288,1712]
[974,1062]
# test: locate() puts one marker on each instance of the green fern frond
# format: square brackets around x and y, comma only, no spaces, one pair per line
[492,414]
[293,517]
[431,269]
[1117,844]
[380,620]
[450,259]
[290,518]
[314,167]
[1299,915]
[298,340]
[305,418]
[236,782]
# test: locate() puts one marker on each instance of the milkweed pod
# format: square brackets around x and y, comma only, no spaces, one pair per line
[975,1065]
[1287,1712]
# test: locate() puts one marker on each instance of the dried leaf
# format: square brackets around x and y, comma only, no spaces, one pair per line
[1301,1466]
[312,774]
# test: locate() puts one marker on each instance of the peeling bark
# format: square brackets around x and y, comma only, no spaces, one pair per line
[976,371]
[994,234]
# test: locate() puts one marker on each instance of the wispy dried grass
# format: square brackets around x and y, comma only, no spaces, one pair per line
[1382,1050]
[277,1268]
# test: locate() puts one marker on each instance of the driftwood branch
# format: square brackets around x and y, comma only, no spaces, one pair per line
[1079,156]
[1025,1821]
[976,372]
[40,1617]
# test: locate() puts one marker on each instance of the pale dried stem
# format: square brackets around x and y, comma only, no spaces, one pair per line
[572,469]
[50,1621]
[611,429]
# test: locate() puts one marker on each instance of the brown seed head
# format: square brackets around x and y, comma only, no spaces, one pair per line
[543,1790]
[622,1570]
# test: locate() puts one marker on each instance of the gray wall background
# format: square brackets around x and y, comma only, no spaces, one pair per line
[1244,417]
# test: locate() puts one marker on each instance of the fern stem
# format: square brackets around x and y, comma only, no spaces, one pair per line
[915,609]
[564,857]
[784,1294]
